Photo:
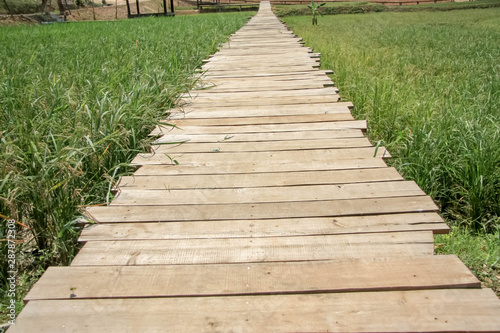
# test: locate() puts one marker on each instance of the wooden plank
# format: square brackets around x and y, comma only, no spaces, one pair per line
[263,136]
[300,60]
[292,64]
[228,146]
[213,168]
[309,77]
[323,156]
[208,95]
[275,82]
[176,182]
[244,250]
[445,310]
[211,196]
[260,120]
[212,87]
[379,274]
[266,228]
[258,70]
[260,111]
[262,73]
[271,67]
[278,100]
[293,127]
[332,208]
[296,54]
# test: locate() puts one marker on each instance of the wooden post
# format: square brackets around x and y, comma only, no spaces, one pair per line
[137,5]
[128,9]
[116,9]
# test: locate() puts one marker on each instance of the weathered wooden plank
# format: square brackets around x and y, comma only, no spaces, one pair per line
[256,111]
[446,310]
[263,136]
[308,76]
[243,250]
[278,100]
[272,82]
[265,71]
[295,52]
[254,81]
[302,58]
[293,127]
[331,208]
[207,95]
[209,196]
[233,121]
[227,167]
[266,228]
[212,87]
[262,52]
[271,44]
[323,156]
[262,73]
[265,60]
[417,273]
[176,182]
[228,146]
[271,67]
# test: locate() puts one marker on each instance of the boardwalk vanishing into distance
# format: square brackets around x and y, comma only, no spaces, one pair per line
[265,209]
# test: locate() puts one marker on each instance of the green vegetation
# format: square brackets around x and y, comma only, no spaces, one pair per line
[331,8]
[315,11]
[76,103]
[19,6]
[362,7]
[480,252]
[429,85]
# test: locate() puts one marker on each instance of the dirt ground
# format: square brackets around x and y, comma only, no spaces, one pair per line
[117,9]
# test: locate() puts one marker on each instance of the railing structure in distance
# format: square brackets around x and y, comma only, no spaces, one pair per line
[139,14]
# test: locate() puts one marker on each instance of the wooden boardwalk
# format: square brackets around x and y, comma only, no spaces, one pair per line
[264,210]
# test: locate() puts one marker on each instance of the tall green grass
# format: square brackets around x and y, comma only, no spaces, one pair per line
[429,86]
[76,104]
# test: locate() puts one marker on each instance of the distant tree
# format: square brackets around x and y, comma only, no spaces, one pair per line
[60,6]
[45,7]
[6,6]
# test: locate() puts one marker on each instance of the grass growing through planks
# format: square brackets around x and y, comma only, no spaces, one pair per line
[76,103]
[429,85]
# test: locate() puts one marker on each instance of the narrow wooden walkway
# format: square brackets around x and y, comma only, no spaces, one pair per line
[279,216]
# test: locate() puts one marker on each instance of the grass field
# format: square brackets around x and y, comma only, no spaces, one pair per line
[76,103]
[429,85]
[363,7]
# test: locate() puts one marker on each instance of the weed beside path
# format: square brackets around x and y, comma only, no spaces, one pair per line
[76,103]
[429,85]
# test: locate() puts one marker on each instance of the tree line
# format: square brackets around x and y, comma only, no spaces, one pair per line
[45,6]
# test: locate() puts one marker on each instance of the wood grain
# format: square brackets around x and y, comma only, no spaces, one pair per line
[447,310]
[254,279]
